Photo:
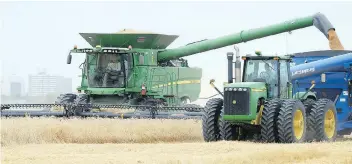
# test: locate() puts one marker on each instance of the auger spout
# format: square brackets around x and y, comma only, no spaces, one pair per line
[318,20]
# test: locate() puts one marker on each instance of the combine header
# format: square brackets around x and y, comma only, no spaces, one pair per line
[134,70]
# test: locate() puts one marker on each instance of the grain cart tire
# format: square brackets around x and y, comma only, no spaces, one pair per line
[268,123]
[323,120]
[228,131]
[308,104]
[211,120]
[292,122]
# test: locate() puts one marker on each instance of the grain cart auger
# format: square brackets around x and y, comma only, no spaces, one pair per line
[132,69]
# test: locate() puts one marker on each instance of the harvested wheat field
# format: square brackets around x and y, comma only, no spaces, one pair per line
[78,141]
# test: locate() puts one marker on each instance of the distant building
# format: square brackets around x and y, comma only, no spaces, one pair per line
[43,84]
[12,85]
[16,89]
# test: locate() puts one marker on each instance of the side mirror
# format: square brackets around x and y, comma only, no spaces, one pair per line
[323,78]
[69,58]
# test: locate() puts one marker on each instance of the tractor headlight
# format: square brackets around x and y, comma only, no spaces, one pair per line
[230,89]
[239,89]
[235,89]
[244,89]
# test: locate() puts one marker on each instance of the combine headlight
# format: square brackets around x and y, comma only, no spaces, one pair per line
[239,89]
[235,89]
[230,89]
[244,89]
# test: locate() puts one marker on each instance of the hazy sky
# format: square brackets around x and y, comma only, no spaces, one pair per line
[37,35]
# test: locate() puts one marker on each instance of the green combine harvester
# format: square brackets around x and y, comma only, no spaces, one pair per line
[135,70]
[144,73]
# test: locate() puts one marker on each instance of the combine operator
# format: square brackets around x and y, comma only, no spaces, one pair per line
[113,69]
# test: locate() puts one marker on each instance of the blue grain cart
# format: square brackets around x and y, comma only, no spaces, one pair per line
[330,71]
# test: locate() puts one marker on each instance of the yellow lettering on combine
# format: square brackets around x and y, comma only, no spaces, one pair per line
[178,82]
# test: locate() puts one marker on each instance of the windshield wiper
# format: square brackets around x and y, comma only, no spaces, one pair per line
[268,65]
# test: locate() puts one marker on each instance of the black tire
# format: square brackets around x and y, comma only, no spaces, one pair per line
[268,123]
[317,117]
[228,131]
[211,120]
[66,98]
[308,104]
[285,122]
[81,99]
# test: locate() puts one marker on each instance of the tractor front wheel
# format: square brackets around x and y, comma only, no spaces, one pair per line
[268,122]
[211,119]
[228,131]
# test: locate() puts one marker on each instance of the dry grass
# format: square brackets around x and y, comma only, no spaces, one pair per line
[50,130]
[43,141]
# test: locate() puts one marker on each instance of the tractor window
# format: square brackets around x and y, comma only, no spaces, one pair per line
[108,71]
[284,78]
[262,71]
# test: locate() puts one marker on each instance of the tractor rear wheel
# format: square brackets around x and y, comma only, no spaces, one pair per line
[211,119]
[323,120]
[292,122]
[268,123]
[308,104]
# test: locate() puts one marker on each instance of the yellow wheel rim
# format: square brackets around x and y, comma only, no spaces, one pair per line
[298,124]
[329,123]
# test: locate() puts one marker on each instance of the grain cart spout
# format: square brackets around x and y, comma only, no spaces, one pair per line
[318,20]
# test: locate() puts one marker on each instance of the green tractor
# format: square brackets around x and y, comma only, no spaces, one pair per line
[260,105]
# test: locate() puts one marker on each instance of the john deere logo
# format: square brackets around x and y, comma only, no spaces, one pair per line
[234,102]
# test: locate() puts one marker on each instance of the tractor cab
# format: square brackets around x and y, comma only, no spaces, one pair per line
[271,70]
